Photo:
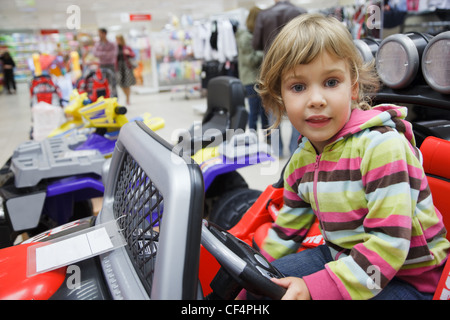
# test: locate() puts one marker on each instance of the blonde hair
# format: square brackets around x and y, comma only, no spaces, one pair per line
[120,39]
[300,42]
[251,18]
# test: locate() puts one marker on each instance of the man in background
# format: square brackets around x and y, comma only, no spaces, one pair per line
[271,20]
[106,52]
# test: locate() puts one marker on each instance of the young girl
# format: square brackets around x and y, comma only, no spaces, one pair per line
[356,169]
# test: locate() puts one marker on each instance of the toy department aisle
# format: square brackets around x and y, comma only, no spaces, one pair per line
[178,113]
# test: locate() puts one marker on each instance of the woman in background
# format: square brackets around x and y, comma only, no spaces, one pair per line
[249,61]
[124,67]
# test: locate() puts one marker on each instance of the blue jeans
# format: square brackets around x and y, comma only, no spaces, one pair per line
[312,260]
[293,143]
[256,109]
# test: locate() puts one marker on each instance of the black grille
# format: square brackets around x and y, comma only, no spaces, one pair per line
[138,206]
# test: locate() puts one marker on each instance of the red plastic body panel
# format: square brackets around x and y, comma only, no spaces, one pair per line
[440,191]
[436,155]
[14,283]
[443,288]
[254,225]
[258,214]
[207,270]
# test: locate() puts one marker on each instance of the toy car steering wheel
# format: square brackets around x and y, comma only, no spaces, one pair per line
[245,265]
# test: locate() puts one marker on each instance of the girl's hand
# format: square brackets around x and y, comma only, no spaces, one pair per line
[296,288]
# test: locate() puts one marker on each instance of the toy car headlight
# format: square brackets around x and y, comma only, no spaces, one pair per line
[436,63]
[398,59]
[367,48]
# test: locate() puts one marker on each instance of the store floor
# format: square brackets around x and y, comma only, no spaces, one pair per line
[177,111]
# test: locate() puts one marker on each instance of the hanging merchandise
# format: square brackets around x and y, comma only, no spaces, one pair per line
[426,16]
[226,42]
[200,34]
[175,59]
[214,42]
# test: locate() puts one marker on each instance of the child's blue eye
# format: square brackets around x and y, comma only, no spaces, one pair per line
[298,87]
[332,83]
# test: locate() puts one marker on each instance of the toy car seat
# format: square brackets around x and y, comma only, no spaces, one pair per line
[436,128]
[43,89]
[100,86]
[225,111]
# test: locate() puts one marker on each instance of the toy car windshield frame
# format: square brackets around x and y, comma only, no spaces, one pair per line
[157,197]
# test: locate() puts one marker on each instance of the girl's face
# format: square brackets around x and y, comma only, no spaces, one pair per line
[317,97]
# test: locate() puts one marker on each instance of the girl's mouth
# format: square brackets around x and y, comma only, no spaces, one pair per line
[318,121]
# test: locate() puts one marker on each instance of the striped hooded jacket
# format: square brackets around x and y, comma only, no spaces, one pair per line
[371,197]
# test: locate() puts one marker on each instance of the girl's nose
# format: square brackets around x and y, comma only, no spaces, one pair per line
[316,98]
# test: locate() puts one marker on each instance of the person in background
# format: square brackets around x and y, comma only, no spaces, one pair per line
[271,20]
[267,25]
[8,72]
[249,61]
[125,66]
[106,52]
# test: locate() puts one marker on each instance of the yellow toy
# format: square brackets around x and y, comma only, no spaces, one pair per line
[107,113]
[71,111]
[37,64]
[76,68]
[104,113]
[154,123]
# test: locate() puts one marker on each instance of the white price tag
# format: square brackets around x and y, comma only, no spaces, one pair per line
[74,247]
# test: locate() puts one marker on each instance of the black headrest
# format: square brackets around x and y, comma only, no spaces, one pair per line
[225,93]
